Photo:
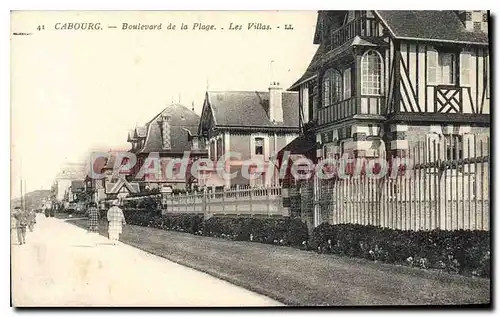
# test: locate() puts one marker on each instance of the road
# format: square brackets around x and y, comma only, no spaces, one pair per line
[60,265]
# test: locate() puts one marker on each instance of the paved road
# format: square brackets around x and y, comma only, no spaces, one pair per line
[61,266]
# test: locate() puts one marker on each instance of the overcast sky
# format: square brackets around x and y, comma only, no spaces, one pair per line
[73,92]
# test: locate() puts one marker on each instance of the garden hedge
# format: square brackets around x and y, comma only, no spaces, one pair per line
[284,231]
[464,252]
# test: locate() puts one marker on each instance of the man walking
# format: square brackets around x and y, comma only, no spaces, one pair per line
[116,220]
[21,223]
[31,219]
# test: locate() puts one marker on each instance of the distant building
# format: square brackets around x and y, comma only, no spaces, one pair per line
[69,173]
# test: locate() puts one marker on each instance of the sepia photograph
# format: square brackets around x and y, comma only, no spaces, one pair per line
[314,158]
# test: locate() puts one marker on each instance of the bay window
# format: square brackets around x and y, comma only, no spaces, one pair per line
[371,73]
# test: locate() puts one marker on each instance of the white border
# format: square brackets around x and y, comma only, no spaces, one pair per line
[179,5]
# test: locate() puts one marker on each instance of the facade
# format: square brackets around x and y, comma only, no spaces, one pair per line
[381,81]
[398,83]
[249,124]
[62,183]
[170,134]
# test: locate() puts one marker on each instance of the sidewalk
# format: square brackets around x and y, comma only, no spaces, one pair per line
[60,266]
[297,277]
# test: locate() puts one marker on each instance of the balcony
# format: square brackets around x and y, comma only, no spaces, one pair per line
[363,27]
[349,107]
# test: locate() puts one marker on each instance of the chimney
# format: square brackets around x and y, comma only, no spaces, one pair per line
[275,102]
[474,20]
[164,122]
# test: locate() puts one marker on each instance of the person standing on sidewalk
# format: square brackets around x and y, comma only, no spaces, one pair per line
[21,223]
[116,220]
[31,220]
[45,209]
[93,221]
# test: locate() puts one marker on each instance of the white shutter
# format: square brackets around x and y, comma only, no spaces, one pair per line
[488,76]
[465,58]
[445,62]
[347,83]
[432,67]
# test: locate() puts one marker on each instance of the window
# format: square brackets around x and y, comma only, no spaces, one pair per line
[465,68]
[441,67]
[454,147]
[347,83]
[219,148]
[477,26]
[259,146]
[371,73]
[332,87]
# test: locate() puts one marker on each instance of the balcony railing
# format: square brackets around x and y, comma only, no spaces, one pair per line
[363,26]
[349,107]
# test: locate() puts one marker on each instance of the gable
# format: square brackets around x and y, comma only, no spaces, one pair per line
[250,109]
[207,120]
[430,25]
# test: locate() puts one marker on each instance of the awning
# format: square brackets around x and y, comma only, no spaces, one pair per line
[304,144]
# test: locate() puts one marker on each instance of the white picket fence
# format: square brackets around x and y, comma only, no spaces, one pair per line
[238,201]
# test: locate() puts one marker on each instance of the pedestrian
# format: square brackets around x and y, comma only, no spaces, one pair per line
[45,209]
[93,220]
[31,219]
[116,220]
[51,208]
[21,223]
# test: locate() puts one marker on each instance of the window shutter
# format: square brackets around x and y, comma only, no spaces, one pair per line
[465,68]
[432,66]
[487,70]
[347,83]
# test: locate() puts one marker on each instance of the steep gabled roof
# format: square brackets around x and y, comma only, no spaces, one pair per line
[114,188]
[183,120]
[250,109]
[430,25]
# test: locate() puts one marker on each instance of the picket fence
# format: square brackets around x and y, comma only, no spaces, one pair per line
[239,201]
[449,189]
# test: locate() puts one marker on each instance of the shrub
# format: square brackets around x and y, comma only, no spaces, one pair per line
[283,231]
[465,252]
[182,222]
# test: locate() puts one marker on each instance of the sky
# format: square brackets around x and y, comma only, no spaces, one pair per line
[77,91]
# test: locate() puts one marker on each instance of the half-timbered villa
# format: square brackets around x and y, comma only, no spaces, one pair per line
[252,125]
[382,80]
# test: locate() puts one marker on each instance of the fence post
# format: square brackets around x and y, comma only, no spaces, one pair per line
[223,199]
[250,192]
[236,193]
[268,201]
